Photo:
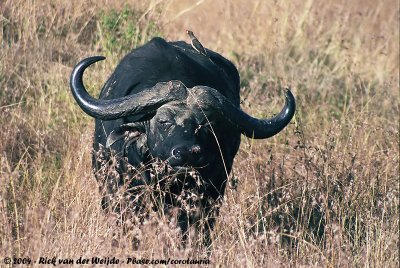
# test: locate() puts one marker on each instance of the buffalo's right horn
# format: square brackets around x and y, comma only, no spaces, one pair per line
[207,97]
[141,103]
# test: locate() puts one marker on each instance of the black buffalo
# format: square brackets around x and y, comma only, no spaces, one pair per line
[166,102]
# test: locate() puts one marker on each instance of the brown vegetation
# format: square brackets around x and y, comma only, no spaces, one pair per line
[324,192]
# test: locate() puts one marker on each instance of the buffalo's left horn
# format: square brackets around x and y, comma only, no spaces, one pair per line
[142,103]
[248,125]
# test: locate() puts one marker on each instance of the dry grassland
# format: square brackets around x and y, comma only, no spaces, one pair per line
[324,192]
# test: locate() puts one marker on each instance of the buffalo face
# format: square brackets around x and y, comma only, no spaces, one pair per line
[182,136]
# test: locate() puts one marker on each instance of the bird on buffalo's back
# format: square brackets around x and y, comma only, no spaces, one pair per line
[196,44]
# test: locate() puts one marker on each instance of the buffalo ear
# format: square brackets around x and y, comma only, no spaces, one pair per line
[129,132]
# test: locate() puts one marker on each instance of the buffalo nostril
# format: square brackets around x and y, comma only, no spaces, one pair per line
[176,152]
[180,152]
[195,149]
[183,150]
[186,155]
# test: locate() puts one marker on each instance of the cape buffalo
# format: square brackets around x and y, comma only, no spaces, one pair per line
[167,103]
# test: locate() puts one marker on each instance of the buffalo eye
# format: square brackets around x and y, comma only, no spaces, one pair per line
[166,124]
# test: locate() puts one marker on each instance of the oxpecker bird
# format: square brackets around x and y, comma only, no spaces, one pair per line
[196,44]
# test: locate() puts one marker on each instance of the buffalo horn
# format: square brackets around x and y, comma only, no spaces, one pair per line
[142,103]
[207,97]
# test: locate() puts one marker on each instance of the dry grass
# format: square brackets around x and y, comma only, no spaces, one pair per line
[324,192]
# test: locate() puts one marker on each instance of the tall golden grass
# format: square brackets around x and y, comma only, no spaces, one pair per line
[324,192]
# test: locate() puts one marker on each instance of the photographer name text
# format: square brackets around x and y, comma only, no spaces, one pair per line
[55,261]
